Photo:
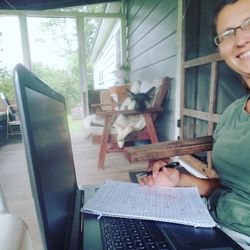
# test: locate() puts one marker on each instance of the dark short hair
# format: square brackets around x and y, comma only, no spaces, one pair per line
[219,6]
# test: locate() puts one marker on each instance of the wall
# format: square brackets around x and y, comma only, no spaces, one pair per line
[106,62]
[151,37]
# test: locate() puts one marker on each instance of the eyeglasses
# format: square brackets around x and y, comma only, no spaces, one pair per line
[229,34]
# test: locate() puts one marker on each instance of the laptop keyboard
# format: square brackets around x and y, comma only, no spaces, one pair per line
[130,234]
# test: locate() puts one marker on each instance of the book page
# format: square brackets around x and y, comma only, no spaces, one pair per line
[170,204]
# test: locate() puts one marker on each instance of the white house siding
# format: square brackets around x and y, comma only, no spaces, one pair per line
[106,62]
[152,51]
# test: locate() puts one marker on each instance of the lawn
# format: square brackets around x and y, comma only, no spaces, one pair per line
[75,126]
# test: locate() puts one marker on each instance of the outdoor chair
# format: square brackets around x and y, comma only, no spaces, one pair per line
[13,123]
[110,99]
[108,135]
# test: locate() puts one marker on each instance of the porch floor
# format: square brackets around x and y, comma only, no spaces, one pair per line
[15,181]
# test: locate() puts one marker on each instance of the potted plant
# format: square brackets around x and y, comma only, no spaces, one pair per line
[121,74]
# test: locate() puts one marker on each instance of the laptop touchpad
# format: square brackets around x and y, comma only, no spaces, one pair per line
[191,238]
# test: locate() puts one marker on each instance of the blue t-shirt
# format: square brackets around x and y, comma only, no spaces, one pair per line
[231,158]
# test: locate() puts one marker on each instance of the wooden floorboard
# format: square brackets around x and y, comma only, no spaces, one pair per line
[15,181]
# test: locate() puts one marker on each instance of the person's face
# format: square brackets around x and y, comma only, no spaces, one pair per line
[236,51]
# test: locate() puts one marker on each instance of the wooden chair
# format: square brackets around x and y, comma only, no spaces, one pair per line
[108,103]
[184,148]
[148,133]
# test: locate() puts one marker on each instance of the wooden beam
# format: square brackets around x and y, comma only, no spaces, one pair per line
[128,112]
[202,60]
[201,115]
[162,150]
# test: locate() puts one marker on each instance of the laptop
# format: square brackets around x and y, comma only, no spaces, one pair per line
[58,198]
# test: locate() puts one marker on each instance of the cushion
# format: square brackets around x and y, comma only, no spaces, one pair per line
[135,86]
[147,85]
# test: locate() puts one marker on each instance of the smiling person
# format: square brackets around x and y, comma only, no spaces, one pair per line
[229,195]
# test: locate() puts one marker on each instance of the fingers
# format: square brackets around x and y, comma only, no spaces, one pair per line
[151,163]
[160,175]
[170,171]
[166,161]
[147,180]
[142,181]
[157,167]
[167,170]
[173,176]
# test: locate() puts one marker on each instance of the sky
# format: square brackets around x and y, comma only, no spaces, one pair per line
[10,48]
[10,44]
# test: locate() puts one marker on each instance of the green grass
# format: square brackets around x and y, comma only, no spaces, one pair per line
[75,126]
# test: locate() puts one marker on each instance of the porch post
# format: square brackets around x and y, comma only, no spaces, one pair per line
[123,36]
[25,40]
[82,65]
[179,91]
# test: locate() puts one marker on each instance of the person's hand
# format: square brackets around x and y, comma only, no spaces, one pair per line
[162,176]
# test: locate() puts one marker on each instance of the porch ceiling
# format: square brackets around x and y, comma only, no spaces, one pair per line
[45,4]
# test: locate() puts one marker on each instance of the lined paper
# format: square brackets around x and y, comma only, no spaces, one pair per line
[181,205]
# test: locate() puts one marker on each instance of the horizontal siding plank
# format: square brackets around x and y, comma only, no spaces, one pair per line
[161,31]
[133,10]
[154,19]
[130,5]
[142,15]
[156,54]
[152,72]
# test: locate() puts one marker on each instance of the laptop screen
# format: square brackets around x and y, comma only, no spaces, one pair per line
[49,155]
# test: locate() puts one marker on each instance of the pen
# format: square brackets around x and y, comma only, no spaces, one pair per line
[169,165]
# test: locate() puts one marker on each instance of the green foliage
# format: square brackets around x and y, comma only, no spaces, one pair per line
[6,84]
[125,67]
[65,82]
[75,126]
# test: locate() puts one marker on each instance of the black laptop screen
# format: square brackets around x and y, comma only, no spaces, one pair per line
[50,158]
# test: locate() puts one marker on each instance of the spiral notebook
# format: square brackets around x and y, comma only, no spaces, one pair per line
[181,205]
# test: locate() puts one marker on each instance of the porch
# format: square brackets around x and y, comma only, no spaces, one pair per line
[157,46]
[15,181]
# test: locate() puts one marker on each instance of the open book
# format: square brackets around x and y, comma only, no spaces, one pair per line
[182,205]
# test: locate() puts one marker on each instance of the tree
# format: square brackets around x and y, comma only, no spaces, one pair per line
[63,81]
[6,84]
[63,33]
